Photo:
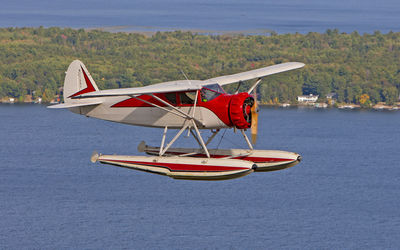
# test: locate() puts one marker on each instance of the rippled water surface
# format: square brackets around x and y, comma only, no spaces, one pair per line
[344,194]
[254,16]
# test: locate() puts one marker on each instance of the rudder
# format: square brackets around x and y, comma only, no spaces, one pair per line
[77,81]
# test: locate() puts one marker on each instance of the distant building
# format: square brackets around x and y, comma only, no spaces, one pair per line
[331,96]
[349,106]
[382,106]
[285,105]
[307,98]
[320,105]
[28,99]
[39,100]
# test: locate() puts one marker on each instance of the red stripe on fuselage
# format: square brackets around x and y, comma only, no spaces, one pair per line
[219,106]
[134,103]
[182,167]
[89,86]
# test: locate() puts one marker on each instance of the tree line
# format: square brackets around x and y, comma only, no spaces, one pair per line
[33,61]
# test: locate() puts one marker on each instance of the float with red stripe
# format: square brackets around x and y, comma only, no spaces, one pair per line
[181,167]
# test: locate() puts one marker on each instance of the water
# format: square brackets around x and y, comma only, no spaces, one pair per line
[344,194]
[285,16]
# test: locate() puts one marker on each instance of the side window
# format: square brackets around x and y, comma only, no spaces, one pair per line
[171,98]
[187,97]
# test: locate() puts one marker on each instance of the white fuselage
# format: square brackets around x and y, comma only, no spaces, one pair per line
[149,116]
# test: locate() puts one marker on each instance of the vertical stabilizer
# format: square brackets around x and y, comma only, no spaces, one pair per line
[77,81]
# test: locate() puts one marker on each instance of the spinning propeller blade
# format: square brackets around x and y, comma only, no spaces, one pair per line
[254,119]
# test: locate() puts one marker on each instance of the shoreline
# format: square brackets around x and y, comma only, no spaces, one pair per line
[347,106]
[150,30]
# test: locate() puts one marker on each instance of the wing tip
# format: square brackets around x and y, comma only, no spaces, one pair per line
[295,64]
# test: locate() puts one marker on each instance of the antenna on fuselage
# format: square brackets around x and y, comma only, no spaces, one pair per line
[183,73]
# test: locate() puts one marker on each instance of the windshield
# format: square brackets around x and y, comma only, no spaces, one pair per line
[215,87]
[210,92]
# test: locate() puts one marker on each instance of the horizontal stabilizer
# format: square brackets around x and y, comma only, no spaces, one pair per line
[73,105]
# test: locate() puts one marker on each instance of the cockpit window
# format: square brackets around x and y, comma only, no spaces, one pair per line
[171,97]
[210,92]
[187,97]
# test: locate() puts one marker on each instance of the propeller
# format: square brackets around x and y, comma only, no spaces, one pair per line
[254,119]
[254,112]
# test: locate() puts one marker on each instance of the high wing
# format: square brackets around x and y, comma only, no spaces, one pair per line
[190,85]
[164,87]
[256,73]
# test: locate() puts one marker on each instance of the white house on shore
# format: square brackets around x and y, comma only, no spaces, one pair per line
[307,98]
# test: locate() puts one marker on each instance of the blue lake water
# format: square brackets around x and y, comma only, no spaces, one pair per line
[285,16]
[344,194]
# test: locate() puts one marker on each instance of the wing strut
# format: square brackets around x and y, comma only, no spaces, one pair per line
[198,138]
[174,108]
[247,139]
[180,113]
[201,139]
[214,133]
[254,85]
[157,106]
[163,140]
[190,121]
[163,150]
[193,110]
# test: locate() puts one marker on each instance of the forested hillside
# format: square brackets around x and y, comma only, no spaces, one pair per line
[33,61]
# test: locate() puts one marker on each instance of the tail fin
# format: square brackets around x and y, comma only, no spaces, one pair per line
[77,81]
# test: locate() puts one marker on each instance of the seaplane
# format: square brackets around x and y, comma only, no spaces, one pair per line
[183,106]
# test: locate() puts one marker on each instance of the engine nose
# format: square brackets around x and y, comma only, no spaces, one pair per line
[240,110]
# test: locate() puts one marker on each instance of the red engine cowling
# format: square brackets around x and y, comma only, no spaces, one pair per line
[240,110]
